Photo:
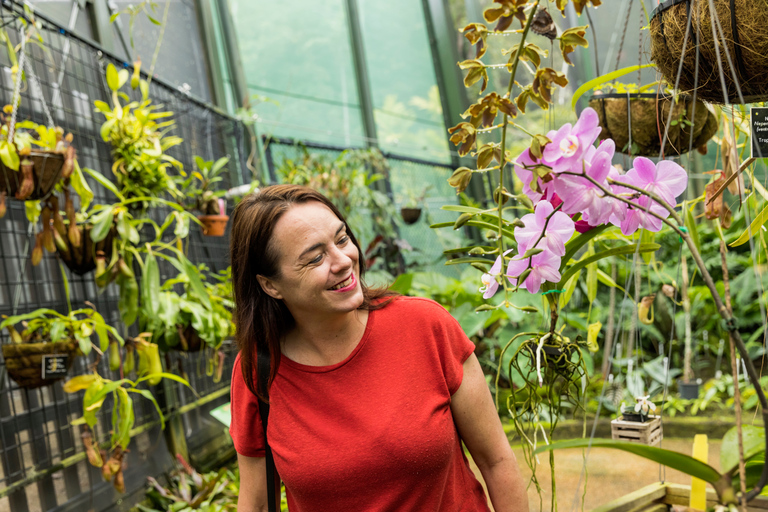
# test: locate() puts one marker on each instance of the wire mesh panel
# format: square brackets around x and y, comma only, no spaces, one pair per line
[42,463]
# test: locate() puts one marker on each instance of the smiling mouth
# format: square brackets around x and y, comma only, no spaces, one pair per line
[348,281]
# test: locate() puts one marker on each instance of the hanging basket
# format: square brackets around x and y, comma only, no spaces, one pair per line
[745,45]
[33,365]
[82,260]
[214,225]
[649,113]
[410,215]
[46,174]
[189,340]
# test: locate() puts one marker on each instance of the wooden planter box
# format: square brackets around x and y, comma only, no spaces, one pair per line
[659,497]
[649,433]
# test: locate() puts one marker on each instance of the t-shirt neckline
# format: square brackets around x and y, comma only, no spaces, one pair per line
[323,369]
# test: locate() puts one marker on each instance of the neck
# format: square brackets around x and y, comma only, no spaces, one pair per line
[325,341]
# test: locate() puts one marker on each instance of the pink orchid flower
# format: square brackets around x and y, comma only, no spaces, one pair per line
[570,143]
[545,266]
[581,195]
[639,216]
[490,284]
[582,226]
[559,229]
[526,176]
[665,179]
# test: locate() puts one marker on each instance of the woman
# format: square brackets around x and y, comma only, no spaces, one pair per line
[370,393]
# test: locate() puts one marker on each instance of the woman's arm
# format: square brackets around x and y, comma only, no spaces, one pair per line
[480,429]
[253,484]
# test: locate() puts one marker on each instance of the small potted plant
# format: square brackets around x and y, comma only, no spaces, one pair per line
[411,209]
[640,412]
[204,198]
[45,348]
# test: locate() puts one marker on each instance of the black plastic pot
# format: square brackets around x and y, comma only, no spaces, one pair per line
[688,390]
[634,416]
[410,215]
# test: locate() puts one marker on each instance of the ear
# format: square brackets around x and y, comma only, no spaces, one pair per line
[269,287]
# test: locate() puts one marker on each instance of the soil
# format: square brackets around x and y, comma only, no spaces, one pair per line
[611,474]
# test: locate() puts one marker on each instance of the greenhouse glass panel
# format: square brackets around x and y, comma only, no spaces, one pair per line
[406,99]
[182,59]
[297,57]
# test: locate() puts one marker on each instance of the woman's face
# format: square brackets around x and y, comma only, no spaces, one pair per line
[319,268]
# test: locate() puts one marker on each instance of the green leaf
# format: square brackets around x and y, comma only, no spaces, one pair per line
[101,330]
[38,313]
[32,210]
[150,285]
[403,283]
[690,225]
[570,286]
[81,187]
[102,222]
[573,245]
[113,78]
[608,77]
[123,75]
[103,181]
[57,330]
[196,283]
[753,229]
[683,463]
[128,303]
[608,281]
[624,249]
[149,396]
[591,276]
[106,129]
[125,407]
[754,443]
[9,156]
[166,375]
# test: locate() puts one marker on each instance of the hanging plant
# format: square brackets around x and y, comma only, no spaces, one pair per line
[737,57]
[43,350]
[637,122]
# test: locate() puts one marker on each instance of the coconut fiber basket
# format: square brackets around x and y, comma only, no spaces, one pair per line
[742,47]
[24,362]
[646,117]
[46,173]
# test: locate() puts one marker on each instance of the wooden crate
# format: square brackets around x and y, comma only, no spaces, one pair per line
[649,433]
[660,496]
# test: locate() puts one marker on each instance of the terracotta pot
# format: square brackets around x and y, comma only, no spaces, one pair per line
[83,259]
[410,215]
[47,173]
[24,361]
[214,225]
[649,114]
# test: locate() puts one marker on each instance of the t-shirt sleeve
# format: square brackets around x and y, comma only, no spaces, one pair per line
[245,428]
[453,346]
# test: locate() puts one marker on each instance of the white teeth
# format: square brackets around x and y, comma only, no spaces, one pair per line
[343,284]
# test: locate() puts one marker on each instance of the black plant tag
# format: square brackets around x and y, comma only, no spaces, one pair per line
[759,128]
[55,365]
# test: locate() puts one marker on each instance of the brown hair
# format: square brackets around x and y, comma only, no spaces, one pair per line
[262,320]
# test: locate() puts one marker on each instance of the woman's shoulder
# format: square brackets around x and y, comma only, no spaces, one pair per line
[407,305]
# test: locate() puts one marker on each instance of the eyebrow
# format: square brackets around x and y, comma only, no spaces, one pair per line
[321,244]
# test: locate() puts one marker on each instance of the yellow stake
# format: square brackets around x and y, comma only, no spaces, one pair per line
[698,486]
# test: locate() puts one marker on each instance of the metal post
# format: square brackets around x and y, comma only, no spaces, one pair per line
[232,50]
[205,17]
[453,95]
[102,28]
[361,70]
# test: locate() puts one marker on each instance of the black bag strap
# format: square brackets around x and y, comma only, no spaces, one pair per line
[263,367]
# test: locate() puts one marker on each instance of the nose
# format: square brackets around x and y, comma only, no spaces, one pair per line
[341,262]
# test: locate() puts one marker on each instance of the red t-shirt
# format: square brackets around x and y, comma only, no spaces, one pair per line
[374,432]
